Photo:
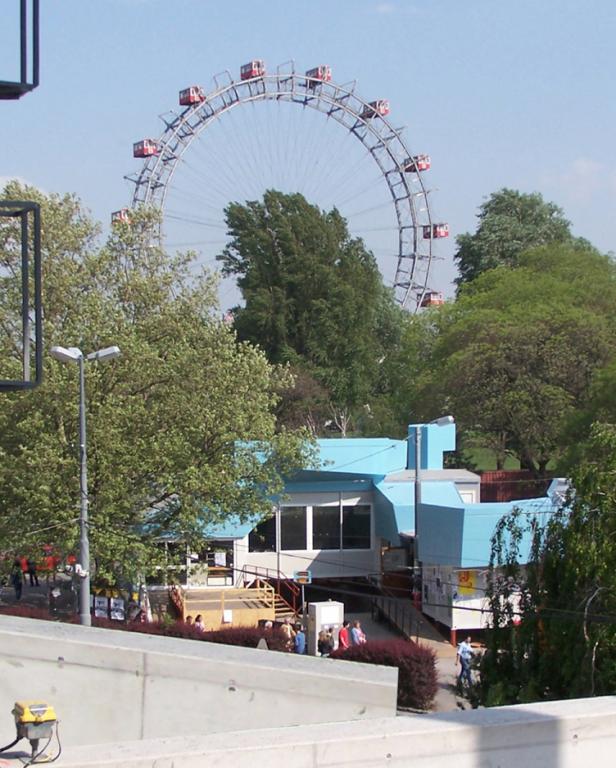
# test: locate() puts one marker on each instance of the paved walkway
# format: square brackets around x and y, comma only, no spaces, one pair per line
[446,698]
[37,596]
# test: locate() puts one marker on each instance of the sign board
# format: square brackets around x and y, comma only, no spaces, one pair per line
[116,609]
[101,606]
[302,577]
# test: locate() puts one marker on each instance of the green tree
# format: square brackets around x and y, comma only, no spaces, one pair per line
[514,356]
[313,296]
[408,360]
[181,428]
[557,637]
[510,222]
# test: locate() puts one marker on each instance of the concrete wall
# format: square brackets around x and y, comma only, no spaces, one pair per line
[560,734]
[109,685]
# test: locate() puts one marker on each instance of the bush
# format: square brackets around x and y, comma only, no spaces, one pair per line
[26,611]
[248,637]
[417,679]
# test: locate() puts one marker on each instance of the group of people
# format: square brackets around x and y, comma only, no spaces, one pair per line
[197,623]
[326,641]
[347,636]
[295,636]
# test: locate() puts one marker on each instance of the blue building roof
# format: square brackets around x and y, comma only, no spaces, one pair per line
[449,531]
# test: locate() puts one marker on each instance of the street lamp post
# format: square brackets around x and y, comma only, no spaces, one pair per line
[75,355]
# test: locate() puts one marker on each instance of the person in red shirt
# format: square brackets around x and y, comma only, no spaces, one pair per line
[344,641]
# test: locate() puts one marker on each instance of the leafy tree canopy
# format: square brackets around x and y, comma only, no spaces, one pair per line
[510,222]
[514,356]
[181,431]
[313,295]
[555,618]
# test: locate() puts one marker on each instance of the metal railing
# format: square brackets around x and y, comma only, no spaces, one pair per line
[400,613]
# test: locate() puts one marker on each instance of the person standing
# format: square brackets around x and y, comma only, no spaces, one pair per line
[17,578]
[289,633]
[358,636]
[344,641]
[464,658]
[300,639]
[34,580]
[199,623]
[325,643]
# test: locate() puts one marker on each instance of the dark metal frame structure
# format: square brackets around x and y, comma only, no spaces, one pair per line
[16,89]
[340,102]
[30,279]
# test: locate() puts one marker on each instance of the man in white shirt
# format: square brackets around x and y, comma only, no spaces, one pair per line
[464,657]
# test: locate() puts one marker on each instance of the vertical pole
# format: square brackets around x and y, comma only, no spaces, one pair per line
[278,542]
[35,43]
[303,607]
[418,500]
[25,298]
[24,42]
[38,298]
[417,487]
[84,545]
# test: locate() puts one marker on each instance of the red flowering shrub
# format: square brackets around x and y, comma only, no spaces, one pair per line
[26,611]
[248,637]
[417,679]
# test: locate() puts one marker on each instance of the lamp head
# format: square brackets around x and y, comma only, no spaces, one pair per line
[443,421]
[108,353]
[66,355]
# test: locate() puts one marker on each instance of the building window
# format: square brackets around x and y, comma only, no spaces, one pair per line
[293,528]
[326,528]
[356,527]
[263,537]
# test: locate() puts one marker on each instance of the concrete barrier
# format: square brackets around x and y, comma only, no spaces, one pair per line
[562,734]
[110,686]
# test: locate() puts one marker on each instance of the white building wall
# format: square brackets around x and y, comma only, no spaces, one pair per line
[456,597]
[328,563]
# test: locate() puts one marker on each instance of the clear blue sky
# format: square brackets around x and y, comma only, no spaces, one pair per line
[517,94]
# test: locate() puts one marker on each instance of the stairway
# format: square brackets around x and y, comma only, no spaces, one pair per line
[282,609]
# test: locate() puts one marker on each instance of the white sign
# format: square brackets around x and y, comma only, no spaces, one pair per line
[220,559]
[330,614]
[117,609]
[101,606]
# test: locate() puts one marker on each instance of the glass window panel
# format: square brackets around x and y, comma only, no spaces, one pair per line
[293,528]
[325,528]
[263,537]
[356,527]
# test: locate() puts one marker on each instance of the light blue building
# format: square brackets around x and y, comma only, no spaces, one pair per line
[355,517]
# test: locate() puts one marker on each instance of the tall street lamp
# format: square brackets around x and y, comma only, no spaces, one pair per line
[75,355]
[440,422]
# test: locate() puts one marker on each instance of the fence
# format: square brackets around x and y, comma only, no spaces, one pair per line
[400,613]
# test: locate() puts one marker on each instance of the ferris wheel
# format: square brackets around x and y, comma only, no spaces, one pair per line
[399,171]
